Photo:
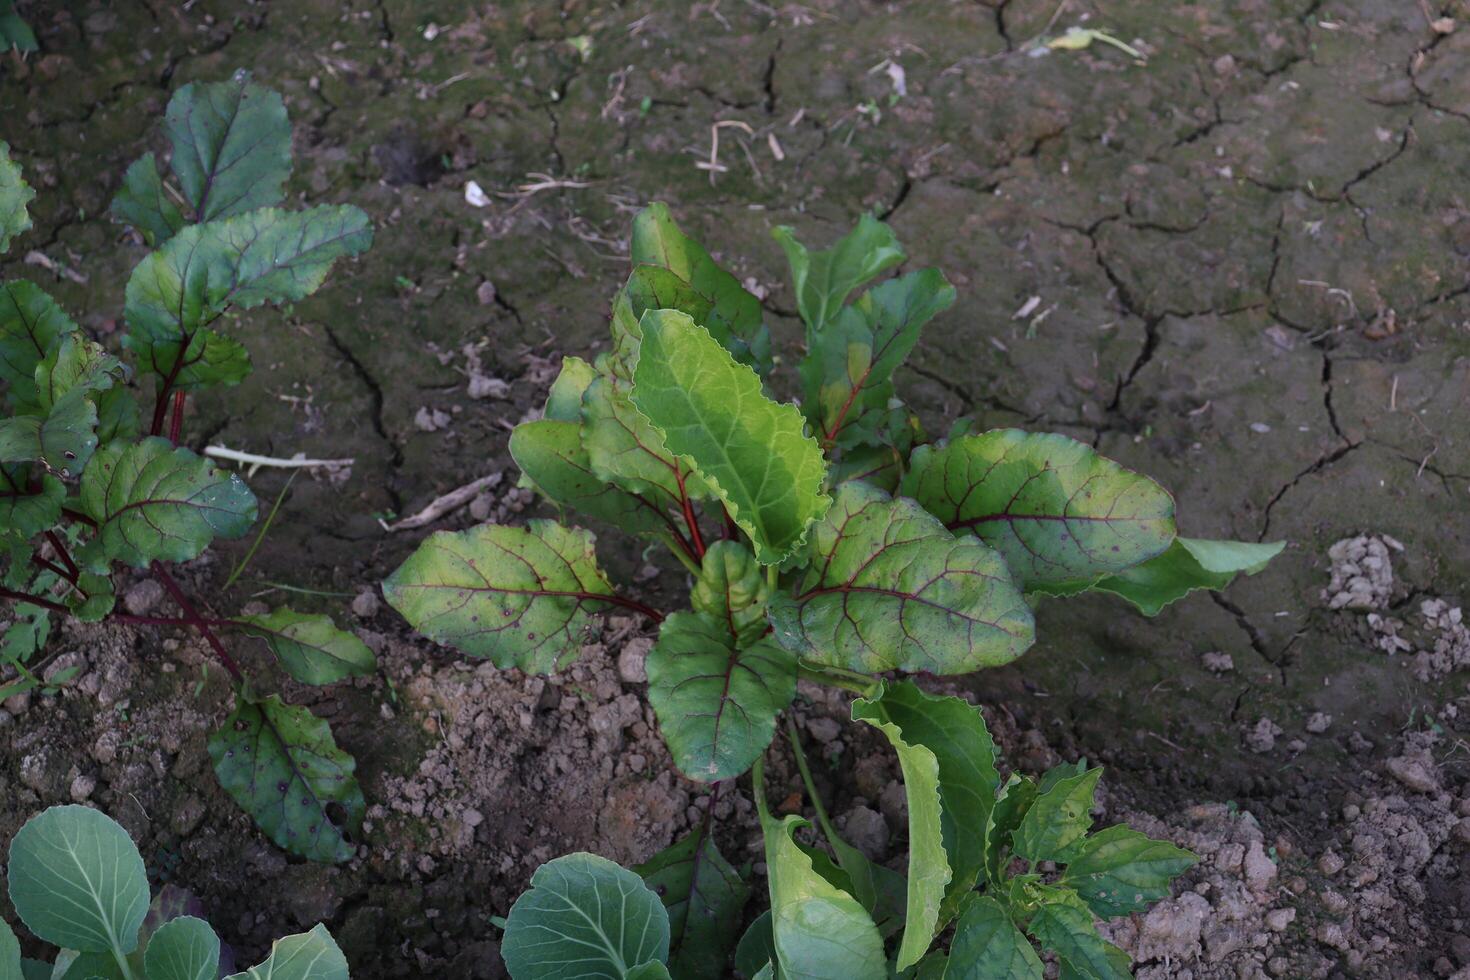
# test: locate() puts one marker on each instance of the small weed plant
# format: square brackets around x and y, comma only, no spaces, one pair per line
[830,540]
[77,882]
[88,482]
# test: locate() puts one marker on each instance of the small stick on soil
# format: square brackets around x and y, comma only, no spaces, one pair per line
[449,502]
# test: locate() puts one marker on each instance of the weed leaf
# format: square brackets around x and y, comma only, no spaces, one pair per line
[311,648]
[1119,871]
[823,279]
[1061,814]
[184,948]
[988,946]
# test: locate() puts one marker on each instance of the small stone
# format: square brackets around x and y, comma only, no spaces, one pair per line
[1262,738]
[428,419]
[1278,919]
[1319,722]
[104,750]
[1260,870]
[866,830]
[631,661]
[187,816]
[70,662]
[485,293]
[1218,662]
[18,704]
[482,507]
[1332,934]
[366,605]
[472,817]
[1414,772]
[142,597]
[824,730]
[82,788]
[484,386]
[1462,830]
[1330,863]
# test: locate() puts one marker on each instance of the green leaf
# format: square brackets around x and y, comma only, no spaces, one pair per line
[1118,960]
[76,881]
[929,872]
[142,203]
[848,369]
[954,731]
[652,970]
[308,956]
[71,965]
[732,589]
[15,34]
[15,193]
[231,146]
[881,466]
[154,501]
[1060,815]
[75,364]
[819,931]
[649,288]
[1011,806]
[262,256]
[627,451]
[823,279]
[28,512]
[185,948]
[935,966]
[9,953]
[280,763]
[520,596]
[1064,925]
[62,440]
[98,601]
[751,450]
[583,916]
[1119,871]
[1052,506]
[704,897]
[117,416]
[31,323]
[721,305]
[551,455]
[311,648]
[757,948]
[716,705]
[564,403]
[1189,564]
[889,588]
[988,946]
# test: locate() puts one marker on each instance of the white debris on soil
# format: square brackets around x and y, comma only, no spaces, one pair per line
[1362,572]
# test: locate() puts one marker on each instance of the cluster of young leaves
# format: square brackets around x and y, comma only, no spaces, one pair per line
[15,34]
[830,539]
[996,868]
[77,882]
[86,483]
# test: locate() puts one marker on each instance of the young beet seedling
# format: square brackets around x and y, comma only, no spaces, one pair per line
[85,483]
[1002,862]
[829,540]
[78,883]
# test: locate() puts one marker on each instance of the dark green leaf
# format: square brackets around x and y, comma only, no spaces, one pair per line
[98,600]
[1052,506]
[31,323]
[1119,871]
[311,648]
[1064,925]
[823,279]
[62,440]
[75,364]
[145,205]
[716,705]
[26,508]
[282,766]
[15,193]
[9,953]
[889,588]
[1061,814]
[584,916]
[1015,799]
[704,897]
[185,948]
[988,946]
[15,34]
[520,596]
[232,146]
[153,501]
[757,948]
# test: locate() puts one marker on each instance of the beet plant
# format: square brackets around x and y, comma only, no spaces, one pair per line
[88,482]
[77,882]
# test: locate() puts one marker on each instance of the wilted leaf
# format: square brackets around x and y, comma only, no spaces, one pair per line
[704,897]
[15,194]
[185,948]
[520,596]
[282,766]
[311,648]
[988,946]
[713,413]
[145,205]
[231,146]
[1061,814]
[823,279]
[76,880]
[889,588]
[1119,871]
[154,501]
[309,956]
[716,705]
[1052,506]
[584,916]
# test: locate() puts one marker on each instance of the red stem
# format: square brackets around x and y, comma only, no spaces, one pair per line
[59,547]
[76,515]
[626,603]
[732,530]
[829,437]
[192,618]
[160,404]
[34,600]
[695,538]
[176,426]
[132,620]
[40,562]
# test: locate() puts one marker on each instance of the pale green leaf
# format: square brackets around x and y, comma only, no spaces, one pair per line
[15,194]
[281,764]
[712,412]
[847,371]
[310,955]
[1052,506]
[9,953]
[954,731]
[76,881]
[1119,871]
[26,508]
[1189,564]
[520,596]
[231,146]
[704,897]
[154,501]
[553,458]
[716,705]
[584,916]
[143,204]
[1064,925]
[648,288]
[311,647]
[929,872]
[262,256]
[31,324]
[988,946]
[564,402]
[184,948]
[732,589]
[819,931]
[1061,814]
[889,588]
[823,279]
